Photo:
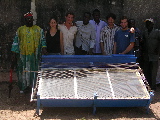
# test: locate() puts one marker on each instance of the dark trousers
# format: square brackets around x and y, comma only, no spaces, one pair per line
[79,51]
[140,61]
[97,53]
[150,69]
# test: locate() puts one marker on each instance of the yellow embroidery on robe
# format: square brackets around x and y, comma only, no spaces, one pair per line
[29,39]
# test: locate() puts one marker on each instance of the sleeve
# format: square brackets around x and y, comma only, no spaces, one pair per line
[117,28]
[105,24]
[15,44]
[93,38]
[102,36]
[132,37]
[79,23]
[43,39]
[60,27]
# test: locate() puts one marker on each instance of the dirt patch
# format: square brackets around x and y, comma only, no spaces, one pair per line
[19,107]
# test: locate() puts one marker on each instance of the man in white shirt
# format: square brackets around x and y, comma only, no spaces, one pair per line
[85,38]
[98,25]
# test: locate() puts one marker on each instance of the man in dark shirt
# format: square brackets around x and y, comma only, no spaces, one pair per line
[138,36]
[151,51]
[138,40]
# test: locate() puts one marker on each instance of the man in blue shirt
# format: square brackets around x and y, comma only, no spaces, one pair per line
[124,38]
[98,24]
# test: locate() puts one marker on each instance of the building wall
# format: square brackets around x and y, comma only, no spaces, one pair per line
[11,15]
[141,10]
[48,8]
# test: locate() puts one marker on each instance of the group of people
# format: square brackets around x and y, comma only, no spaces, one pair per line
[89,37]
[79,38]
[86,37]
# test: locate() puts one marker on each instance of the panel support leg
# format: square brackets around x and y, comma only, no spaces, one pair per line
[94,103]
[38,104]
[151,97]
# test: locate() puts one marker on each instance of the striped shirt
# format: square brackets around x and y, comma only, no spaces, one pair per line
[107,37]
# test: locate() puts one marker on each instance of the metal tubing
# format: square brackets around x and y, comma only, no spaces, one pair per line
[151,97]
[94,103]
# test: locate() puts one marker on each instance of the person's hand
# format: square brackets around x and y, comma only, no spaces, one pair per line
[103,53]
[44,51]
[121,53]
[132,30]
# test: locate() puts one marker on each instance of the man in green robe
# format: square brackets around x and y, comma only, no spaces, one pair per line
[27,46]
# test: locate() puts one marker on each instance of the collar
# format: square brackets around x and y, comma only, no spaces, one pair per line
[114,25]
[96,23]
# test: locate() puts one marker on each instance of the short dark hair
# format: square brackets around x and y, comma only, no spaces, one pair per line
[130,20]
[54,18]
[96,10]
[124,17]
[69,12]
[131,23]
[112,15]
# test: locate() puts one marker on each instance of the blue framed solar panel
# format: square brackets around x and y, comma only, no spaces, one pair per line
[96,86]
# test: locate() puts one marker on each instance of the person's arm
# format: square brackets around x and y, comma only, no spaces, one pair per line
[44,50]
[128,49]
[61,43]
[92,41]
[15,51]
[102,47]
[102,42]
[115,43]
[114,48]
[45,33]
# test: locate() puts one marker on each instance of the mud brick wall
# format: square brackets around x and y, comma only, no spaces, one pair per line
[11,15]
[10,19]
[47,8]
[141,10]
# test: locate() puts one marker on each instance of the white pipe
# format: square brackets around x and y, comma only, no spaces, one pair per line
[33,10]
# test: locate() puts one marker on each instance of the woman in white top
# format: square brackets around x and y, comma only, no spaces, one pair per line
[68,30]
